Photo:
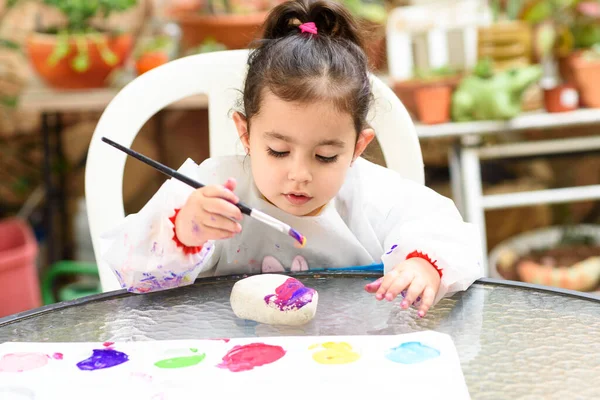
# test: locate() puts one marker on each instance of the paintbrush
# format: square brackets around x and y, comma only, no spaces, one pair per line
[252,212]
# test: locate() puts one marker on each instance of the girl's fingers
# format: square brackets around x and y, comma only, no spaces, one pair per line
[414,290]
[221,192]
[218,234]
[230,184]
[386,282]
[428,298]
[223,208]
[401,283]
[373,286]
[215,221]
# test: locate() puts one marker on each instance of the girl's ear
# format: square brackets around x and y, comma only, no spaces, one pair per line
[364,138]
[241,124]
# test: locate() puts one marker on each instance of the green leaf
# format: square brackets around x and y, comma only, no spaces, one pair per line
[61,49]
[539,12]
[545,39]
[9,44]
[109,57]
[9,101]
[81,62]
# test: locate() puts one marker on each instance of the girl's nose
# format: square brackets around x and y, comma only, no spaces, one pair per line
[300,172]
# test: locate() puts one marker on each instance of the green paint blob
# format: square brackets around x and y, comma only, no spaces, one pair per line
[181,362]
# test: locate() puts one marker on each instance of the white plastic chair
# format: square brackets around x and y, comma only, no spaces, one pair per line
[218,75]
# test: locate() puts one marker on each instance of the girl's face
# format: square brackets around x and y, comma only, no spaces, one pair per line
[300,153]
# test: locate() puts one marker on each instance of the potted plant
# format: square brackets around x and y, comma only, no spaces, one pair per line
[488,95]
[233,23]
[586,70]
[428,94]
[562,256]
[562,30]
[80,53]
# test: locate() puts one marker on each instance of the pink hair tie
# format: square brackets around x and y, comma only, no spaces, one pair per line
[309,27]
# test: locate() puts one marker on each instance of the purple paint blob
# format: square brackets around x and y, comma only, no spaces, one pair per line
[298,236]
[103,358]
[195,228]
[392,249]
[292,294]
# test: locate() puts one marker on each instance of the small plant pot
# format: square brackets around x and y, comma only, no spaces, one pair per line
[561,98]
[587,78]
[235,31]
[406,90]
[433,104]
[62,74]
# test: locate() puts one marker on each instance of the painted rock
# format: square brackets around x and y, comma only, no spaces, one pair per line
[274,299]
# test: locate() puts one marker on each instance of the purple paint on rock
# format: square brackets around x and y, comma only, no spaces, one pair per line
[292,294]
[103,358]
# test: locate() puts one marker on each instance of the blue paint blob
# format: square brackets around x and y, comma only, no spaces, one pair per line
[412,353]
[103,358]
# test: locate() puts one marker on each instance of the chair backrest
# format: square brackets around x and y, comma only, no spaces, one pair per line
[420,36]
[219,75]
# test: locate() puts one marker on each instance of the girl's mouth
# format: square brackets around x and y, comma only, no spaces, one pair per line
[297,199]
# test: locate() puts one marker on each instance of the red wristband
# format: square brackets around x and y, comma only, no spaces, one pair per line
[418,254]
[187,250]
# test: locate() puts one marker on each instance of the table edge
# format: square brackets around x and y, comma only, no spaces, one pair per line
[4,321]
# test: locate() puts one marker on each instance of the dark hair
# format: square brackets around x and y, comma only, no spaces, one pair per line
[302,67]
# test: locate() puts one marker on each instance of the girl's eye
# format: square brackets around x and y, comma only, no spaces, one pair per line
[277,154]
[327,159]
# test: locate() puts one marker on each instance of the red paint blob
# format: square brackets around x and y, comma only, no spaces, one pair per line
[57,356]
[108,344]
[245,358]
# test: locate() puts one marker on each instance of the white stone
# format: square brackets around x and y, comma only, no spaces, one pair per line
[255,298]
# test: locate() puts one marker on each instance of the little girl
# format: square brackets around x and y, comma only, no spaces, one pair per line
[303,126]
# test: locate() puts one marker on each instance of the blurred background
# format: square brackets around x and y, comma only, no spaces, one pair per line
[515,84]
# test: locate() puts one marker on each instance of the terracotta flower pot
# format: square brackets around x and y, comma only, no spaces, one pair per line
[405,90]
[62,75]
[561,98]
[433,104]
[587,78]
[233,30]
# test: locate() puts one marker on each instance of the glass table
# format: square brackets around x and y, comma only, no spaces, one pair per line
[514,340]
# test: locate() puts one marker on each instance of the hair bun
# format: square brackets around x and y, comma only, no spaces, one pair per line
[332,20]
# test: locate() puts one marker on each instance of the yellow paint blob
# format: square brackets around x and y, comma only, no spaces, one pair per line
[334,353]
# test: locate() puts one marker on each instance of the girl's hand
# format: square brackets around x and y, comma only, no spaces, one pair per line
[209,214]
[416,277]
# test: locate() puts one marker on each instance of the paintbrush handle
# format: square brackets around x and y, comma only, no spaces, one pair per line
[169,171]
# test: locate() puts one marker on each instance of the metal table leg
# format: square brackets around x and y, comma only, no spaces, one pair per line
[473,190]
[49,188]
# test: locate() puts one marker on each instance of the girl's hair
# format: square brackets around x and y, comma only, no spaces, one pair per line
[304,67]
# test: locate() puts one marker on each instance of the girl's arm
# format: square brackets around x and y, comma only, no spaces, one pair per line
[145,253]
[423,224]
